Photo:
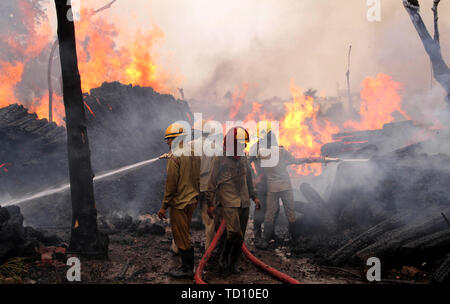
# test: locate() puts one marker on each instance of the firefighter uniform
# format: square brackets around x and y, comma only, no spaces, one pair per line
[279,187]
[181,193]
[261,190]
[205,169]
[231,182]
[181,196]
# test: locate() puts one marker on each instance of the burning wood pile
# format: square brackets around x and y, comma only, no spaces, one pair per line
[126,125]
[370,142]
[394,207]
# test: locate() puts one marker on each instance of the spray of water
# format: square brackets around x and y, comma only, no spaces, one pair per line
[63,188]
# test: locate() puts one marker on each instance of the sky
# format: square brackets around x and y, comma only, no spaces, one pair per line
[218,45]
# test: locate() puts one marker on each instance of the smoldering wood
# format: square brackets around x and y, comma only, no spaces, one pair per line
[36,152]
[371,142]
[389,245]
[442,274]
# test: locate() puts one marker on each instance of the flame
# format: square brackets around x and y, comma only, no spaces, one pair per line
[39,106]
[10,75]
[258,113]
[100,58]
[237,99]
[24,48]
[4,167]
[380,99]
[301,132]
[89,108]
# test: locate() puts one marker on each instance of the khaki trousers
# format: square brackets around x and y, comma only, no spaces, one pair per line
[273,206]
[236,220]
[209,225]
[180,222]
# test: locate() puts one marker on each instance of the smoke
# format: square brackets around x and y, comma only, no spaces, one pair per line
[220,45]
[226,44]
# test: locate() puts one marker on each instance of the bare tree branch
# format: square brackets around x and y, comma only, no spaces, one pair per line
[436,18]
[432,46]
[103,7]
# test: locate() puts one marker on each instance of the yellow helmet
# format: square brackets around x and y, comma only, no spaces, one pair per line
[199,125]
[263,128]
[242,136]
[174,130]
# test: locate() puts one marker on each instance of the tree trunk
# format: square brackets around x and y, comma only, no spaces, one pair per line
[85,237]
[49,80]
[432,46]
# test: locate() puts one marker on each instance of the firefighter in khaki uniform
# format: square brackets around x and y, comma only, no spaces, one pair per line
[205,168]
[279,187]
[261,190]
[181,193]
[231,181]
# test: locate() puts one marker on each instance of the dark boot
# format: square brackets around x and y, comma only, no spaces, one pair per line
[294,231]
[257,230]
[224,258]
[258,233]
[186,271]
[235,254]
[268,234]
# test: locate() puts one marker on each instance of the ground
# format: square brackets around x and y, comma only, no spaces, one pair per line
[148,258]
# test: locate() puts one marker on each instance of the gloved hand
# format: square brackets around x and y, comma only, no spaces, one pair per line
[211,211]
[165,155]
[162,214]
[257,203]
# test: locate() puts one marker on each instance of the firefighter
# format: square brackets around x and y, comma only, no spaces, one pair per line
[205,168]
[260,182]
[279,187]
[180,197]
[231,182]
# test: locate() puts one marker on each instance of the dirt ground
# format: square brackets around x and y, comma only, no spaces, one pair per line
[147,259]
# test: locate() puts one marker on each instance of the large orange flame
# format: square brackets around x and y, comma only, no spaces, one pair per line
[10,75]
[100,59]
[237,99]
[301,132]
[380,98]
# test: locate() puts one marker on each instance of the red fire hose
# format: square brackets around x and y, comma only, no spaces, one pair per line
[272,271]
[207,255]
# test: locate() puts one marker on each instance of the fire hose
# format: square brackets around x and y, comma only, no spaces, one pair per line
[272,271]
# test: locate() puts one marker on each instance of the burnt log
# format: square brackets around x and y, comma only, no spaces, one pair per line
[17,240]
[389,245]
[317,219]
[351,144]
[33,151]
[429,247]
[345,254]
[442,274]
[311,195]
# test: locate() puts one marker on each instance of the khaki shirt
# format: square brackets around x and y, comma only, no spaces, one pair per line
[205,166]
[278,177]
[231,181]
[182,183]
